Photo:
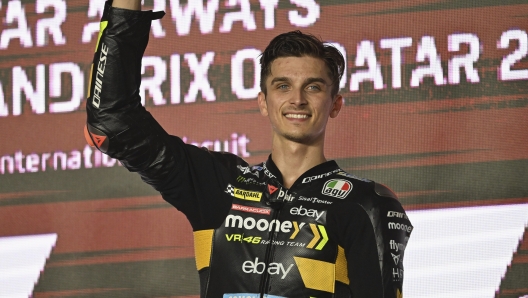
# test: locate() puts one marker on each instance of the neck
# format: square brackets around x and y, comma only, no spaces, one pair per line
[294,159]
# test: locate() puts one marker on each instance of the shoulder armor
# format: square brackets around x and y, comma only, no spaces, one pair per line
[383,191]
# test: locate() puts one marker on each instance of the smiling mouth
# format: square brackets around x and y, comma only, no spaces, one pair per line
[297,116]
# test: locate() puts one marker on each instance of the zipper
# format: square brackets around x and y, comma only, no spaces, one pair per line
[268,257]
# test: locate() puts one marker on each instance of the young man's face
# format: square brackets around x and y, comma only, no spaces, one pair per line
[299,101]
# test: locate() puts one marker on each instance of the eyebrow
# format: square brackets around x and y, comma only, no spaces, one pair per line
[315,80]
[279,79]
[307,81]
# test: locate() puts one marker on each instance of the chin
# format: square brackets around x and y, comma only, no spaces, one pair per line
[298,138]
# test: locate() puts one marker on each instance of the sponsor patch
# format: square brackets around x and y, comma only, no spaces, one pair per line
[98,86]
[243,239]
[307,212]
[337,188]
[319,240]
[272,188]
[98,138]
[396,258]
[257,267]
[267,172]
[400,226]
[250,223]
[396,246]
[285,196]
[247,170]
[397,214]
[397,274]
[251,209]
[245,180]
[243,194]
[314,200]
[312,178]
[353,176]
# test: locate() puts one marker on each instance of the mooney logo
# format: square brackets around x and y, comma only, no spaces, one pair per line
[249,223]
[318,241]
[337,188]
[259,268]
[243,194]
[399,226]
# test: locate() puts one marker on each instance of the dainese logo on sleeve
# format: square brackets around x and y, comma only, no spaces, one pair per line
[337,188]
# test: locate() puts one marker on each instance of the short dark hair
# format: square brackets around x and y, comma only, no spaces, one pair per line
[298,44]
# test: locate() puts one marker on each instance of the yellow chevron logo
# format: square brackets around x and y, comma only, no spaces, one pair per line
[296,228]
[318,231]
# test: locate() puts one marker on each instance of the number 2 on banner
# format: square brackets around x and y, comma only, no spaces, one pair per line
[505,71]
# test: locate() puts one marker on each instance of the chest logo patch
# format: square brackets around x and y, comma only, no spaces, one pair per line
[243,194]
[337,188]
[271,189]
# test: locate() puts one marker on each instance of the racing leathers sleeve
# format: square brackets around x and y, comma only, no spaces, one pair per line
[119,126]
[373,232]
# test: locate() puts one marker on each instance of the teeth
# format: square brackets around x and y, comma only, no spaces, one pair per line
[297,116]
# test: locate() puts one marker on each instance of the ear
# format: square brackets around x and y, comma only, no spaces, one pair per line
[336,107]
[263,104]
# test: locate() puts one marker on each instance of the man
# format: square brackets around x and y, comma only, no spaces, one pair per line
[293,226]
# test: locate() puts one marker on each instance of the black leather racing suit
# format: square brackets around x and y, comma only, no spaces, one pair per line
[329,235]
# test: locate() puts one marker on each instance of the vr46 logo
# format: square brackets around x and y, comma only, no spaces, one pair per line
[241,238]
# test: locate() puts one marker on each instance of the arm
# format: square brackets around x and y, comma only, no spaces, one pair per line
[118,125]
[392,234]
[391,230]
[373,249]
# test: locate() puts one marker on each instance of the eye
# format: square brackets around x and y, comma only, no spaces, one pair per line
[313,88]
[282,87]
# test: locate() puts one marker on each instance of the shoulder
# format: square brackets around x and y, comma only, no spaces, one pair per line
[383,191]
[373,197]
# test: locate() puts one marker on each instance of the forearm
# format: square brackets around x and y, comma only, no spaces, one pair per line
[117,123]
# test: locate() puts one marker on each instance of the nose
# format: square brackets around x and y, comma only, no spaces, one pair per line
[298,98]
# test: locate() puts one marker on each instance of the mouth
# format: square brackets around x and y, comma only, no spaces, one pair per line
[296,116]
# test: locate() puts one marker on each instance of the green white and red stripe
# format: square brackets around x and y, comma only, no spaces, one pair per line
[339,184]
[338,188]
